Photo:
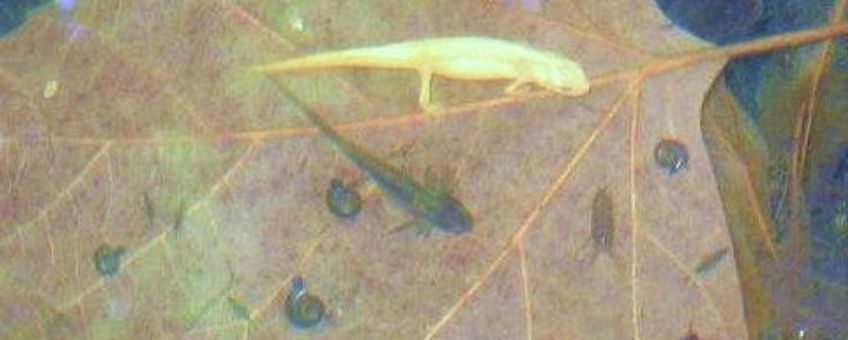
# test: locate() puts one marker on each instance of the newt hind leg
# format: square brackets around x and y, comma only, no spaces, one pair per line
[517,88]
[425,98]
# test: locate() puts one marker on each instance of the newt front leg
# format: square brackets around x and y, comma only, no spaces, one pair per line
[425,95]
[513,89]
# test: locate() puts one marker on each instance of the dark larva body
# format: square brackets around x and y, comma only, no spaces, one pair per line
[431,205]
[601,230]
[603,222]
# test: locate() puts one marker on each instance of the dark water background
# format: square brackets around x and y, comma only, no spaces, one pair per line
[770,88]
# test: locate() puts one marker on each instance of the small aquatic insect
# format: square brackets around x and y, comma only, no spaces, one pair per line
[671,156]
[462,58]
[602,225]
[303,309]
[432,207]
[149,211]
[107,260]
[709,263]
[342,200]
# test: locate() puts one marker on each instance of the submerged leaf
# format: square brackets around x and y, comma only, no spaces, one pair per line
[156,128]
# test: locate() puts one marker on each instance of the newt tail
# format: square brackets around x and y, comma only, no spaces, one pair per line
[383,56]
[432,206]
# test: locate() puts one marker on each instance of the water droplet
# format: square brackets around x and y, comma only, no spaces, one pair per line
[297,23]
[671,156]
[107,260]
[303,309]
[295,20]
[50,89]
[342,200]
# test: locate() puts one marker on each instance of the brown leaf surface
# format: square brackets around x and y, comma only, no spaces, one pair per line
[158,140]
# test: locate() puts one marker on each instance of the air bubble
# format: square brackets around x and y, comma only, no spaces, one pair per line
[50,89]
[303,309]
[342,200]
[671,156]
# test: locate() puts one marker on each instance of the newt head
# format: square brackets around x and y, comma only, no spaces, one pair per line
[449,215]
[561,75]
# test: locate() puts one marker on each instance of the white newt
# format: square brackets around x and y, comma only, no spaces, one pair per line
[463,58]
